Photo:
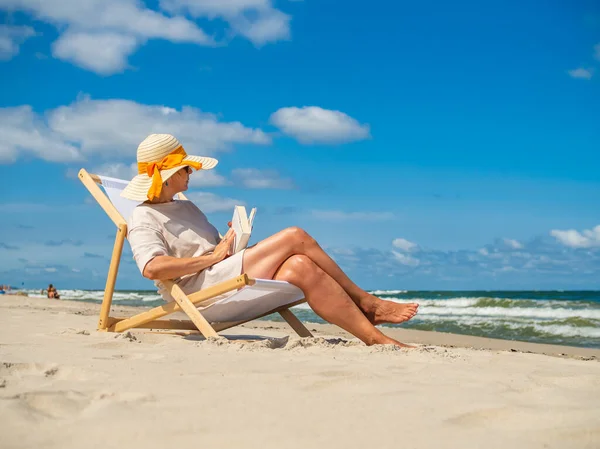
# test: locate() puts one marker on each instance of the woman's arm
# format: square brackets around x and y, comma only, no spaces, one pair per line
[167,267]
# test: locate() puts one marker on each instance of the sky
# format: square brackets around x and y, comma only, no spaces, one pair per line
[426,145]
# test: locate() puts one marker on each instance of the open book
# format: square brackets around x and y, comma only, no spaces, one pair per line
[242,225]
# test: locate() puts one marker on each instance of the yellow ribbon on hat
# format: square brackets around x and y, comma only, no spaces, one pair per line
[175,158]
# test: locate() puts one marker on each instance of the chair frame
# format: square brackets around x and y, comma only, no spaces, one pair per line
[186,303]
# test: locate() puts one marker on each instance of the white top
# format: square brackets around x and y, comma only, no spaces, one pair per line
[179,229]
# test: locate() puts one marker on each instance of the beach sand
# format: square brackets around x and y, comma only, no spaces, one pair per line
[65,385]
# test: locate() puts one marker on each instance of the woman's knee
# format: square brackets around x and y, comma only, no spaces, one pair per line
[299,269]
[297,236]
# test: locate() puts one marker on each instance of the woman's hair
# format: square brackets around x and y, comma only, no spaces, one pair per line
[50,286]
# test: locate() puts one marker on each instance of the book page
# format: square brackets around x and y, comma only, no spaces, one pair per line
[239,224]
[251,217]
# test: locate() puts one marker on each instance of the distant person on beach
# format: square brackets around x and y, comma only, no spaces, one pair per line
[52,292]
[174,240]
[2,290]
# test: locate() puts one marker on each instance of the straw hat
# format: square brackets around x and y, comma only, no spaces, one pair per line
[159,157]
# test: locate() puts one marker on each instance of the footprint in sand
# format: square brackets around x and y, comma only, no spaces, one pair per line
[507,416]
[36,374]
[11,373]
[24,369]
[50,404]
[39,405]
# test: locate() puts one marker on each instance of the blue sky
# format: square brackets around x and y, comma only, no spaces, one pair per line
[426,145]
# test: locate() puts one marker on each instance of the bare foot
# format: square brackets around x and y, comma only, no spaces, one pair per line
[380,311]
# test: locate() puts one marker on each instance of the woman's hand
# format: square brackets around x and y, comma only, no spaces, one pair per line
[224,247]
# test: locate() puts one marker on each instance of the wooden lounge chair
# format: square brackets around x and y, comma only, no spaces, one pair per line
[255,298]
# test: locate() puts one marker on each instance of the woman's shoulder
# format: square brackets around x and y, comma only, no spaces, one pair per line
[192,208]
[153,215]
[187,204]
[144,215]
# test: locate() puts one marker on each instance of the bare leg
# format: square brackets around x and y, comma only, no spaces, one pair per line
[329,300]
[265,258]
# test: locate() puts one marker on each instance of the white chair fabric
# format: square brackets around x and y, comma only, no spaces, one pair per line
[247,303]
[113,188]
[253,300]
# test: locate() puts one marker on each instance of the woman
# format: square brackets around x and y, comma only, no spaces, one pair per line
[52,292]
[174,240]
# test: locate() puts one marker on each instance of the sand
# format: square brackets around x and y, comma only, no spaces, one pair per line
[65,385]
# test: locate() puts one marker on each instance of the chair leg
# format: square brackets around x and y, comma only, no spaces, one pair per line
[190,310]
[295,323]
[112,277]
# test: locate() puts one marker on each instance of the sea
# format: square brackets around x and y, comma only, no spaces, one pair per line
[554,317]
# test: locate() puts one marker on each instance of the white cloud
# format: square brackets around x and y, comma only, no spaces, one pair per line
[112,125]
[312,124]
[506,268]
[337,215]
[514,244]
[405,259]
[11,38]
[342,251]
[542,258]
[125,16]
[207,178]
[112,129]
[253,178]
[99,35]
[23,131]
[581,73]
[209,202]
[404,244]
[103,53]
[270,25]
[589,238]
[257,20]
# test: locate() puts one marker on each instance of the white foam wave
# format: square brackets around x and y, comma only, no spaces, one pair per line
[388,292]
[469,302]
[562,330]
[99,295]
[452,302]
[303,306]
[522,312]
[569,331]
[36,295]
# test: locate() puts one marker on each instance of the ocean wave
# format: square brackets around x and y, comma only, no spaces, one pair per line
[491,302]
[574,321]
[454,302]
[303,306]
[515,322]
[525,331]
[388,292]
[532,313]
[567,331]
[117,296]
[98,295]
